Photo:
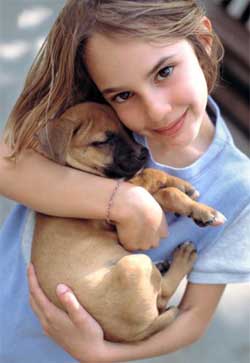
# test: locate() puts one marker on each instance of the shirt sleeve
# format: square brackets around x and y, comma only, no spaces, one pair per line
[227,259]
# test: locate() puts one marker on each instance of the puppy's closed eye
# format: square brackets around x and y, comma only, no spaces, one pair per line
[110,138]
[98,143]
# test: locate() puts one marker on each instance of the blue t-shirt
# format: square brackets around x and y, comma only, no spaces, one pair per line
[222,176]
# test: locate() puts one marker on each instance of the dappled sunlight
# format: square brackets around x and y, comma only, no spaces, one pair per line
[29,19]
[33,17]
[24,28]
[14,50]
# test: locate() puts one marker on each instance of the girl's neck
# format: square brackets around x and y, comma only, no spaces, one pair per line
[181,157]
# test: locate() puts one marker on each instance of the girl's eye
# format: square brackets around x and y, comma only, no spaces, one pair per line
[165,72]
[121,97]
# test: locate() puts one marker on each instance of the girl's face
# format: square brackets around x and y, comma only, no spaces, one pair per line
[157,90]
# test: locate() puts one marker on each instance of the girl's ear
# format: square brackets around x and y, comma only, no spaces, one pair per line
[207,38]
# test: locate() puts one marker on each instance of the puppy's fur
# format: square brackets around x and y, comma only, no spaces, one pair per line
[124,292]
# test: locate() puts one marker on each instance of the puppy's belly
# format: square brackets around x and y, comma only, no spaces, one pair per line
[70,251]
[122,296]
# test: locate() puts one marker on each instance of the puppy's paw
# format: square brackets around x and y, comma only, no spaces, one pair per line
[184,258]
[205,216]
[162,266]
[187,188]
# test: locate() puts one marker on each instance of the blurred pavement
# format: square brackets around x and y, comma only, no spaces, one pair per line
[23,25]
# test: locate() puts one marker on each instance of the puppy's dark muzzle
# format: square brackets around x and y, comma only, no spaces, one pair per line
[127,161]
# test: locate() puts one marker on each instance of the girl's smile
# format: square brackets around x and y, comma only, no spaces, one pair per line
[173,128]
[158,90]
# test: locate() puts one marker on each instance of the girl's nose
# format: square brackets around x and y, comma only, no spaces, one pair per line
[157,106]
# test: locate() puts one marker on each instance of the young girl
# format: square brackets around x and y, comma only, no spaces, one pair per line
[154,62]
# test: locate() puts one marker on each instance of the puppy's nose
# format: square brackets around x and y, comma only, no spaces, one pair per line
[127,161]
[131,158]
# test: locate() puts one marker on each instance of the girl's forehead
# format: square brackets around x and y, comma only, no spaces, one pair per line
[119,44]
[110,56]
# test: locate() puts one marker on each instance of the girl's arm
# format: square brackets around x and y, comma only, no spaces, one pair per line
[78,332]
[57,190]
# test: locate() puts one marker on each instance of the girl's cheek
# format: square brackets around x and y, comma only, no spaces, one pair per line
[194,89]
[127,119]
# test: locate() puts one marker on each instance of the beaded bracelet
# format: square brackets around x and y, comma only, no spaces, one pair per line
[111,199]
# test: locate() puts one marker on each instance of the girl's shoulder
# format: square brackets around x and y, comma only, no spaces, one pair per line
[233,169]
[227,166]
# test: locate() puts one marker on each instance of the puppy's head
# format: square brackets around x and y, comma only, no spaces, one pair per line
[90,137]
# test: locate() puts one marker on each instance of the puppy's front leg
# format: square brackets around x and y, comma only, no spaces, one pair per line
[154,180]
[173,194]
[177,196]
[173,200]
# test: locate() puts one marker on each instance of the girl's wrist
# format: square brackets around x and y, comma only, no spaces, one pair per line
[111,202]
[123,352]
[124,201]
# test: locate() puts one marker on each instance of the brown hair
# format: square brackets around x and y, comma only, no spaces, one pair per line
[58,77]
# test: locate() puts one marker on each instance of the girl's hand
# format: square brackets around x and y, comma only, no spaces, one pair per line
[76,332]
[82,337]
[140,221]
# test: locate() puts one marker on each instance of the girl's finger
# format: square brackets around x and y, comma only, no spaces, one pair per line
[35,307]
[77,313]
[45,308]
[164,228]
[38,312]
[35,289]
[50,315]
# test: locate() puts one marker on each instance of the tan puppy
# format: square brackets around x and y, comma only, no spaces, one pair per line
[124,292]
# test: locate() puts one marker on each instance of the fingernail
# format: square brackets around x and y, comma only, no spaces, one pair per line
[220,218]
[61,289]
[187,243]
[196,194]
[72,299]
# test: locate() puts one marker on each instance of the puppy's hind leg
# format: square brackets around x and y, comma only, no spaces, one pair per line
[183,260]
[161,322]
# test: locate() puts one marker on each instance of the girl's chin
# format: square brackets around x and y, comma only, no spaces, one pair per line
[183,140]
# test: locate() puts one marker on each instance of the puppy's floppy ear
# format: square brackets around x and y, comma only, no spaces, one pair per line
[54,139]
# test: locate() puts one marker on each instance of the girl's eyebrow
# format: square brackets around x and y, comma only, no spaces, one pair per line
[154,69]
[159,64]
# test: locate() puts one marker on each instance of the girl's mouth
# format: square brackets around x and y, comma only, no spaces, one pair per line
[172,129]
